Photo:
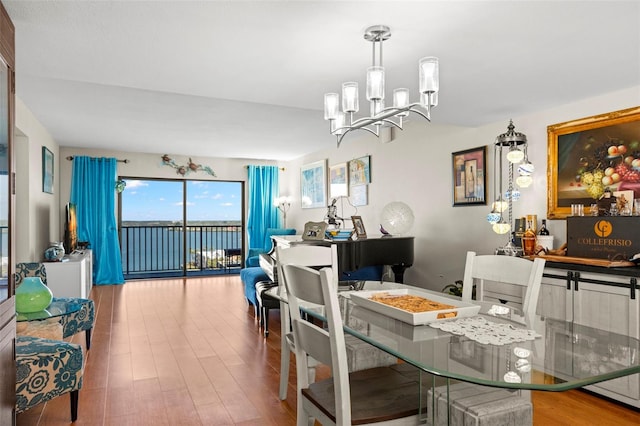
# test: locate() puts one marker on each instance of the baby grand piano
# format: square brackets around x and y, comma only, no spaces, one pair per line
[353,255]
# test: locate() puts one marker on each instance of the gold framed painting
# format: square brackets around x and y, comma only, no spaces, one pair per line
[588,155]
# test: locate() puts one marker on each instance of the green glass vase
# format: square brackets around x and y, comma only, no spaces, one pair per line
[32,296]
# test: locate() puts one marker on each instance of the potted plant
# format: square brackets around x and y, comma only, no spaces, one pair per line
[455,289]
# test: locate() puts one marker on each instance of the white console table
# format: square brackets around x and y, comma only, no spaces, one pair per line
[73,277]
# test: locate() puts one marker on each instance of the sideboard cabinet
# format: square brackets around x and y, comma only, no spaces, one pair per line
[73,277]
[603,298]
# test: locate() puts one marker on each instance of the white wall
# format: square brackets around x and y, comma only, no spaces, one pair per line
[37,213]
[416,168]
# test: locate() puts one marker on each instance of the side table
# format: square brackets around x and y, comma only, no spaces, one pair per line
[46,323]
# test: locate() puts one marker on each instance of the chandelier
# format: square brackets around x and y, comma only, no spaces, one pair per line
[343,121]
[515,144]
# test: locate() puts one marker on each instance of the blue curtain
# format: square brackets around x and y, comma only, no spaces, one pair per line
[93,192]
[263,189]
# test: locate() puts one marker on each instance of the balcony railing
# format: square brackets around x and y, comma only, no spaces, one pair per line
[174,250]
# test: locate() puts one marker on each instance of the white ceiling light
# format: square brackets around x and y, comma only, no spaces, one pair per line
[429,82]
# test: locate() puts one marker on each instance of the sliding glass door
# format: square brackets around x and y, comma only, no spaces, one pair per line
[181,227]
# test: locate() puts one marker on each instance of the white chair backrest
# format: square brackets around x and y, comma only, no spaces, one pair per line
[307,255]
[504,270]
[327,346]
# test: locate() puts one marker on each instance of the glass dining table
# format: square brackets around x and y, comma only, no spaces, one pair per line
[545,354]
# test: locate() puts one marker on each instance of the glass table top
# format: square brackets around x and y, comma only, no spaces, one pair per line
[563,356]
[57,308]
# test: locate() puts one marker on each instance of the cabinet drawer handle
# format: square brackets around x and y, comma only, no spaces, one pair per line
[633,282]
[576,279]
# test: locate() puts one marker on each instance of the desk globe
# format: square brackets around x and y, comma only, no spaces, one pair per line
[396,218]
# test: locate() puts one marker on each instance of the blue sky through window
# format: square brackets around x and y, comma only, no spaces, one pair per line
[161,200]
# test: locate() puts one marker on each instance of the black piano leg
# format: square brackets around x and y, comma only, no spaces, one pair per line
[398,272]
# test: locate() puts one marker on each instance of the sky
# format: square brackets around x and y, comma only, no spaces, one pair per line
[152,200]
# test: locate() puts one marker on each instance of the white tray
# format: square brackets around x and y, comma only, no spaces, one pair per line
[462,309]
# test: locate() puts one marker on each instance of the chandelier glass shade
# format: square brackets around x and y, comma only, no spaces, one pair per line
[343,120]
[515,144]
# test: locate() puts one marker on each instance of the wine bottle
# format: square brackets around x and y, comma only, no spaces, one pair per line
[543,228]
[529,240]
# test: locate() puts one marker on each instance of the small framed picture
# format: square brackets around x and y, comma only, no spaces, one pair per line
[359,195]
[360,170]
[47,170]
[338,181]
[358,226]
[314,230]
[469,177]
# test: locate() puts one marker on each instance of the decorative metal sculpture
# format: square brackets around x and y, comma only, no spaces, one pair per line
[185,170]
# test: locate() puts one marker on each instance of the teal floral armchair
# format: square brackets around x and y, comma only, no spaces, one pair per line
[73,323]
[46,369]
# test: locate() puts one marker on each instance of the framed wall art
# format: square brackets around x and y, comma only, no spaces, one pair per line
[588,155]
[360,170]
[469,176]
[359,195]
[313,185]
[47,170]
[338,181]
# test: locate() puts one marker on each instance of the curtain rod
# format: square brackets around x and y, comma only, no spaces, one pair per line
[281,168]
[119,161]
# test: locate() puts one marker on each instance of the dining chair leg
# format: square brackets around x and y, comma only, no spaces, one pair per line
[284,350]
[265,320]
[88,338]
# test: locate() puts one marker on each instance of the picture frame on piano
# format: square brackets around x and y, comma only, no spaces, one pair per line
[358,226]
[314,231]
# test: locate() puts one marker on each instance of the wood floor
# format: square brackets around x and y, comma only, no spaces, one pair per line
[189,352]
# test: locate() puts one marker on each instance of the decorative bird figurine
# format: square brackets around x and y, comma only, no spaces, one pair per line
[383,231]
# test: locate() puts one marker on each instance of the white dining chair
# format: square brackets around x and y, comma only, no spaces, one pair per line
[305,255]
[502,274]
[362,397]
[496,278]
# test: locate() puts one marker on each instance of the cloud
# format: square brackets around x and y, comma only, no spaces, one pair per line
[135,184]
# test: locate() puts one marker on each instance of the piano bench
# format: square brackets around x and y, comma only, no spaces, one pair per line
[266,303]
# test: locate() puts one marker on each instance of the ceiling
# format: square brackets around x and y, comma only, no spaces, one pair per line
[241,79]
